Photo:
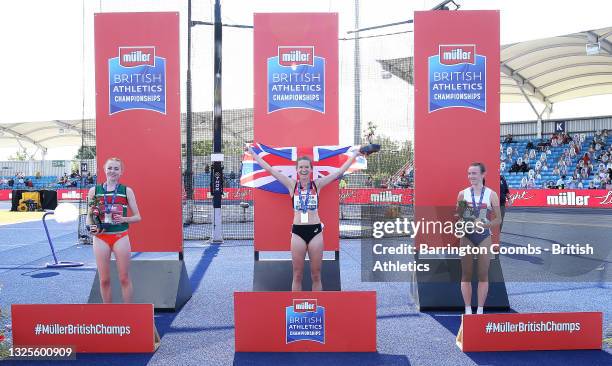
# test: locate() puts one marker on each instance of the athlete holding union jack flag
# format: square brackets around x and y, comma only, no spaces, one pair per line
[307,229]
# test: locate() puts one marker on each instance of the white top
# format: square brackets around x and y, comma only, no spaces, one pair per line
[486,200]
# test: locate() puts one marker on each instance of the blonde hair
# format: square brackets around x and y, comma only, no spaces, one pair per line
[115,159]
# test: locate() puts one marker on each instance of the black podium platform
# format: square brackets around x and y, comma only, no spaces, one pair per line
[277,274]
[440,287]
[163,283]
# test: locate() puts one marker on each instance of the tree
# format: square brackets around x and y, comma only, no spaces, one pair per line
[21,155]
[393,154]
[85,153]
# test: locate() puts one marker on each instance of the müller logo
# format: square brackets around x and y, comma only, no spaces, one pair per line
[567,199]
[305,321]
[453,54]
[301,306]
[136,56]
[386,196]
[293,56]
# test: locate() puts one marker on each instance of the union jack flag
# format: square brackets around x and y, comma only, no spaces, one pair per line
[325,160]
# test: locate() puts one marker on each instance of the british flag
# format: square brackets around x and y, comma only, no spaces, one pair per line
[325,160]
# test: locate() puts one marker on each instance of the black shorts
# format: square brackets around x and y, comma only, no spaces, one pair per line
[477,238]
[307,232]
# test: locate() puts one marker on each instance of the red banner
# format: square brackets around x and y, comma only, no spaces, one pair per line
[376,196]
[295,104]
[347,196]
[594,198]
[90,328]
[530,332]
[318,321]
[6,194]
[138,118]
[456,101]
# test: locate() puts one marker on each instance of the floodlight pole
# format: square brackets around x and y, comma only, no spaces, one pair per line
[357,81]
[216,172]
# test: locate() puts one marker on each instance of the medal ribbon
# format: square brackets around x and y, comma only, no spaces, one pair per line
[479,202]
[304,203]
[107,207]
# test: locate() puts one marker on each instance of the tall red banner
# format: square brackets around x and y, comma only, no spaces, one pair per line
[138,118]
[456,108]
[295,104]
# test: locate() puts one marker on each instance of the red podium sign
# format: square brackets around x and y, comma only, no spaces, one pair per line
[295,104]
[138,118]
[89,328]
[329,321]
[530,332]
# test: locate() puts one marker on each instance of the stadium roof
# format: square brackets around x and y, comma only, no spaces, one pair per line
[549,70]
[237,126]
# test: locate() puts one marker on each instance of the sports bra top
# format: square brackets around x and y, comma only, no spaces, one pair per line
[301,194]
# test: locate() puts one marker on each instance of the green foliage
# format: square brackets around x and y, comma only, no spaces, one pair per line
[205,148]
[85,153]
[393,155]
[20,155]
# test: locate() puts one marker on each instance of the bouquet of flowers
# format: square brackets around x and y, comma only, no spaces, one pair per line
[465,212]
[94,213]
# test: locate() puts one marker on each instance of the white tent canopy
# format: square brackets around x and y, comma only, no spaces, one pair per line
[548,70]
[556,69]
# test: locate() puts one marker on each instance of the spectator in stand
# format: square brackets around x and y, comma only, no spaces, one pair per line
[550,184]
[529,145]
[10,182]
[554,140]
[580,185]
[508,139]
[571,183]
[232,178]
[531,183]
[29,184]
[532,154]
[596,181]
[524,182]
[591,185]
[369,181]
[502,167]
[38,175]
[20,178]
[343,184]
[561,182]
[524,166]
[516,167]
[566,138]
[543,145]
[584,173]
[89,179]
[556,171]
